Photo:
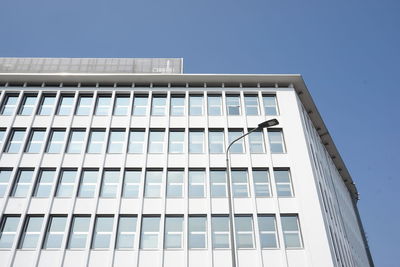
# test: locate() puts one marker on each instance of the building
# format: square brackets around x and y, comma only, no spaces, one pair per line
[121,162]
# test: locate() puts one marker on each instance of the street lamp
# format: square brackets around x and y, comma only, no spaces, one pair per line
[265,124]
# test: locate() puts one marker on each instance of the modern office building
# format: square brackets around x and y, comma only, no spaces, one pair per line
[122,162]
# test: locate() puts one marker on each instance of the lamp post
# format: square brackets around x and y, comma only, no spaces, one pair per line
[262,125]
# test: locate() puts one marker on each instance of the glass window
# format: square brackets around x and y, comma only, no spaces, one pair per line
[196,105]
[176,141]
[2,135]
[84,105]
[214,105]
[131,183]
[238,146]
[197,186]
[150,232]
[28,105]
[173,234]
[47,105]
[175,184]
[56,141]
[121,107]
[117,141]
[8,231]
[156,141]
[177,105]
[220,232]
[153,184]
[66,183]
[15,141]
[270,105]
[218,183]
[109,186]
[244,231]
[126,232]
[256,140]
[158,106]
[196,141]
[251,103]
[5,175]
[79,232]
[44,183]
[31,232]
[136,141]
[240,185]
[96,141]
[76,138]
[102,232]
[65,106]
[276,142]
[216,141]
[55,232]
[35,142]
[291,231]
[88,183]
[197,232]
[140,105]
[261,183]
[9,105]
[103,105]
[23,183]
[267,227]
[233,104]
[283,183]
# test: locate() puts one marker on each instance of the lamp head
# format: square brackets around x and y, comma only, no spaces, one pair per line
[268,123]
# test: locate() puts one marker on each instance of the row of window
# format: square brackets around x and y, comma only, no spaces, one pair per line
[120,105]
[150,232]
[127,183]
[114,141]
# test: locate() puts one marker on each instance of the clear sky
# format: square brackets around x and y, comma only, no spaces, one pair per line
[347,50]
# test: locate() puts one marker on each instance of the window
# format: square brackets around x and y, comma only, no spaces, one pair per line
[102,232]
[2,134]
[256,140]
[251,103]
[196,105]
[8,231]
[270,106]
[79,232]
[121,107]
[131,183]
[31,232]
[218,183]
[23,183]
[158,107]
[126,232]
[175,184]
[136,141]
[240,184]
[233,104]
[96,141]
[176,141]
[47,105]
[103,106]
[84,105]
[44,183]
[140,105]
[214,105]
[15,141]
[244,231]
[291,231]
[153,184]
[177,105]
[261,183]
[28,105]
[65,105]
[237,147]
[267,227]
[216,141]
[76,138]
[220,232]
[5,175]
[117,141]
[173,234]
[56,141]
[197,186]
[156,141]
[196,141]
[35,142]
[109,186]
[88,183]
[283,183]
[66,183]
[9,105]
[55,232]
[150,233]
[197,232]
[276,142]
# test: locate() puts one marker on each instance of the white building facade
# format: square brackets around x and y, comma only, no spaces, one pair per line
[124,165]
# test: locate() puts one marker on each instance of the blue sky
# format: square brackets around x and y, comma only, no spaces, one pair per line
[347,50]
